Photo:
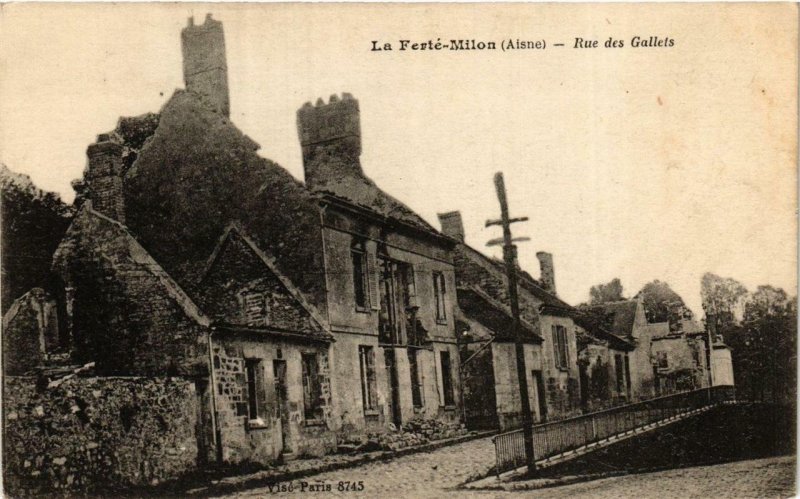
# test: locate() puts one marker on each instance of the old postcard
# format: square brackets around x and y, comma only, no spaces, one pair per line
[399,250]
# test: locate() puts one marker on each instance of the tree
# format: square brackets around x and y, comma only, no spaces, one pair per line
[723,301]
[662,304]
[34,222]
[765,348]
[606,293]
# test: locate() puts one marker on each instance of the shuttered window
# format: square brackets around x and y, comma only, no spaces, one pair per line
[560,347]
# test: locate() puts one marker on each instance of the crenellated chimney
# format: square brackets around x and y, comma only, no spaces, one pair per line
[330,136]
[452,225]
[205,69]
[547,276]
[104,177]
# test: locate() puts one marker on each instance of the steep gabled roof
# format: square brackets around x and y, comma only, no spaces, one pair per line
[594,324]
[136,253]
[494,315]
[527,282]
[269,262]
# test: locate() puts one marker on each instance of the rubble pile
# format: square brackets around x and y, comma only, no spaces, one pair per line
[411,434]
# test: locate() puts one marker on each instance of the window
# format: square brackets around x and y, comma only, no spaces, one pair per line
[447,379]
[628,374]
[416,383]
[439,292]
[312,389]
[369,396]
[255,307]
[618,368]
[359,259]
[254,388]
[560,347]
[662,360]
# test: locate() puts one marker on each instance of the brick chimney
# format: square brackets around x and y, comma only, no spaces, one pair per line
[547,276]
[104,177]
[330,136]
[452,225]
[205,70]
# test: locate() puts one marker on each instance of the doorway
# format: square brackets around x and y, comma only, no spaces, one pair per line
[538,387]
[394,385]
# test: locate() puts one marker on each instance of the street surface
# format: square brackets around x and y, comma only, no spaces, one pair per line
[439,472]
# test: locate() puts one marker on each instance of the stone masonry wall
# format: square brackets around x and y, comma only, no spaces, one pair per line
[264,440]
[89,434]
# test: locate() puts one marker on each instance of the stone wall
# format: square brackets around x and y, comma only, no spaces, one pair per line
[129,317]
[91,434]
[30,331]
[281,426]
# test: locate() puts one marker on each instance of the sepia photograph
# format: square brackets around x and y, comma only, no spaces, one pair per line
[413,250]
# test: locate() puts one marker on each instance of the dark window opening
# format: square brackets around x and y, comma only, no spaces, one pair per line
[396,301]
[252,367]
[663,360]
[312,388]
[618,368]
[439,292]
[359,260]
[416,382]
[447,379]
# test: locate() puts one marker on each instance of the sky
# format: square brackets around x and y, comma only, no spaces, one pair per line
[637,163]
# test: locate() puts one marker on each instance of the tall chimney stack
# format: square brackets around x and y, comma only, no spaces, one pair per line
[205,70]
[330,136]
[452,225]
[547,276]
[104,177]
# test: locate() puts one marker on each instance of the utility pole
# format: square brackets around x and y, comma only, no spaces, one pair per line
[510,257]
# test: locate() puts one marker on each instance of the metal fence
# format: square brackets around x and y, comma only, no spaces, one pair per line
[557,437]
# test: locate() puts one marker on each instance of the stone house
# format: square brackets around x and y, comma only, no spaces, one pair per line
[681,358]
[303,314]
[556,371]
[634,368]
[602,357]
[489,373]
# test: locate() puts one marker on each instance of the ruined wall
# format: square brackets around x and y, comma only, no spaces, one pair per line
[263,440]
[215,176]
[686,363]
[30,332]
[129,317]
[89,434]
